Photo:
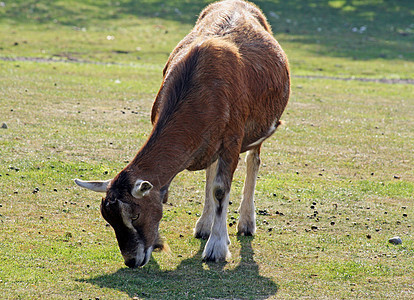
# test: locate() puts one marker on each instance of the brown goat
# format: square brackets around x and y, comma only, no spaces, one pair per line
[225,87]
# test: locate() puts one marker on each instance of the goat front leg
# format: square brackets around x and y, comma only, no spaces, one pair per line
[203,226]
[247,220]
[217,248]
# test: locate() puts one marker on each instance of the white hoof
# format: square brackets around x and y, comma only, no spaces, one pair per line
[216,250]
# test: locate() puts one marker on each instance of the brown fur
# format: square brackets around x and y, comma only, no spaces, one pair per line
[239,87]
[224,90]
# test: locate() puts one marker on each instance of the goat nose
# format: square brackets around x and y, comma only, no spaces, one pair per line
[131,263]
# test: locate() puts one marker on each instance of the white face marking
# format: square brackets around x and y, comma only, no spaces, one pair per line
[126,216]
[147,255]
[142,256]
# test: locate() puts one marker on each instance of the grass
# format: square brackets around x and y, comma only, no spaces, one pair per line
[336,181]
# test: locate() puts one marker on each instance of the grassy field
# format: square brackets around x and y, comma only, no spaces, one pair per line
[77,81]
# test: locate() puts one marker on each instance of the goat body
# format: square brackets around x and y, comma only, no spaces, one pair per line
[224,89]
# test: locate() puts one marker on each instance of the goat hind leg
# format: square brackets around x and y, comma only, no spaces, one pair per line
[247,220]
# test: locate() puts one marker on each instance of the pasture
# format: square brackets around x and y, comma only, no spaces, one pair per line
[77,81]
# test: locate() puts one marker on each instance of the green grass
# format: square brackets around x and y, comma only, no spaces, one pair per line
[337,180]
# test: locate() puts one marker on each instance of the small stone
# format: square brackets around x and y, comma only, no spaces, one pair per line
[395,240]
[4,125]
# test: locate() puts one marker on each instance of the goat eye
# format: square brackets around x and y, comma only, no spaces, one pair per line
[134,218]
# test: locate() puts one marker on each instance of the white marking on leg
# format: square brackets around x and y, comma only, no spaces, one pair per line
[247,221]
[217,248]
[203,225]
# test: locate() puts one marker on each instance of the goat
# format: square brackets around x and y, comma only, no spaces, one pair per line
[224,89]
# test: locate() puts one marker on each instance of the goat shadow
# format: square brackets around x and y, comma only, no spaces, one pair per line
[193,278]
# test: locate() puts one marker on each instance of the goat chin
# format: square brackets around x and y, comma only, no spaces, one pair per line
[161,246]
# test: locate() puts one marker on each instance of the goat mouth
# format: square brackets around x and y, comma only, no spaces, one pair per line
[147,256]
[139,260]
[133,263]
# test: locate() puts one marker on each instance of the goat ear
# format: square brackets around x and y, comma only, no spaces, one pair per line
[141,188]
[96,186]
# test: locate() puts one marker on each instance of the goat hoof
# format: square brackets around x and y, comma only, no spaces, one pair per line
[245,233]
[246,230]
[202,235]
[215,257]
[216,250]
[202,229]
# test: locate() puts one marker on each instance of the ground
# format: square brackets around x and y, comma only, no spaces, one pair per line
[77,81]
